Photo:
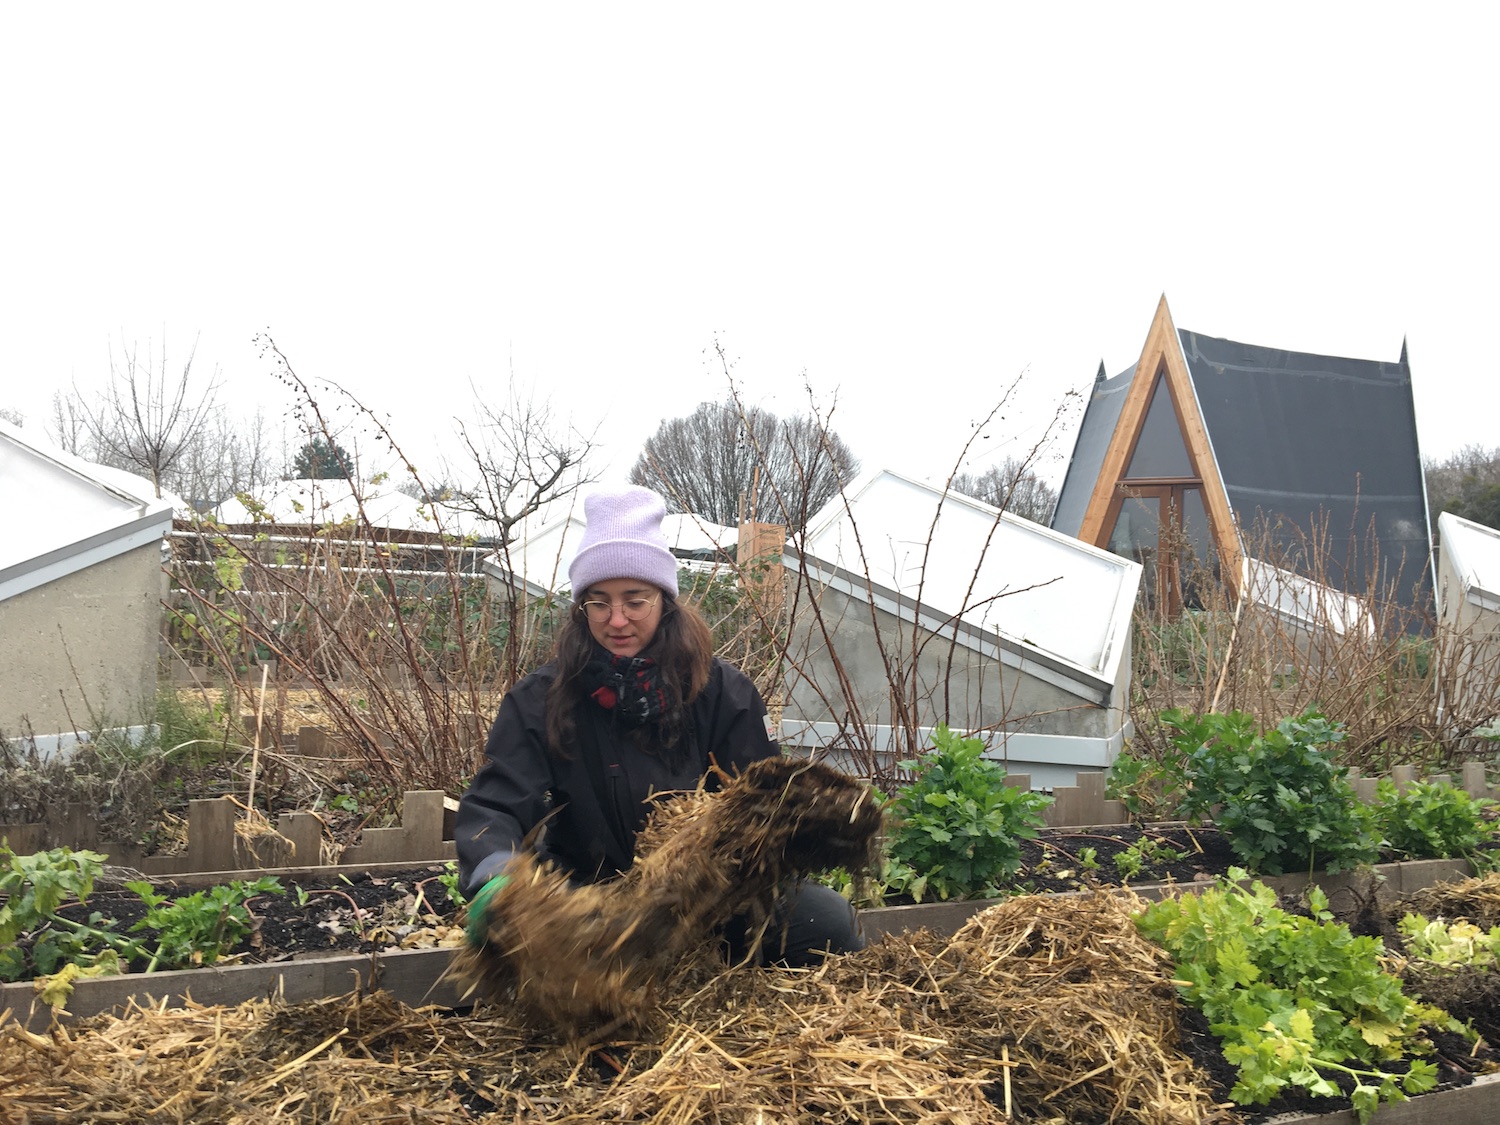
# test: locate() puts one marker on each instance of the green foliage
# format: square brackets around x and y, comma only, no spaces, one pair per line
[1431,820]
[1149,788]
[1144,853]
[322,459]
[34,887]
[1294,999]
[1279,797]
[199,928]
[182,725]
[957,824]
[448,880]
[37,941]
[1478,501]
[1449,943]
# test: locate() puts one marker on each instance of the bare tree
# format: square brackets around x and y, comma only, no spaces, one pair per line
[66,427]
[1467,483]
[726,453]
[14,417]
[148,416]
[226,456]
[525,458]
[1012,486]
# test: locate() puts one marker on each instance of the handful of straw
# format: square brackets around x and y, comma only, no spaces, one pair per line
[589,959]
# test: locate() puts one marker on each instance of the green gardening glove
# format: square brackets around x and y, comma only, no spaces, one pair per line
[476,928]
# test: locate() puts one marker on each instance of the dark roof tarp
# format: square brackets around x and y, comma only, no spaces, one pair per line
[1313,451]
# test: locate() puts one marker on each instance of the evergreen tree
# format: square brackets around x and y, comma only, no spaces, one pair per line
[322,459]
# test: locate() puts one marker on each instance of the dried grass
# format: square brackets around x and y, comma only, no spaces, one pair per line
[589,959]
[1053,1004]
[1474,900]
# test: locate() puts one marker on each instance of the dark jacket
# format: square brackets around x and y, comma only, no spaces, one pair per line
[597,798]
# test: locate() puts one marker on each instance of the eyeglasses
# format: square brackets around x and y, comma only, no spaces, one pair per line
[634,609]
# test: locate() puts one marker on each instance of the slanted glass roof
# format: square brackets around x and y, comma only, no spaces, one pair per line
[999,573]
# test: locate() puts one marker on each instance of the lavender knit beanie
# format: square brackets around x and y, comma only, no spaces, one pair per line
[622,538]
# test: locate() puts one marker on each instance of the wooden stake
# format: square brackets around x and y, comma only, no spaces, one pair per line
[260,708]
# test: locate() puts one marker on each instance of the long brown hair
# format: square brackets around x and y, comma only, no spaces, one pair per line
[683,648]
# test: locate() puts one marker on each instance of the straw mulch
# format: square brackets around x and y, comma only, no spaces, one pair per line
[1474,900]
[1054,1005]
[589,960]
[1468,992]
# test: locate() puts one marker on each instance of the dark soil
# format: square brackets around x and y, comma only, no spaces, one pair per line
[1068,859]
[352,913]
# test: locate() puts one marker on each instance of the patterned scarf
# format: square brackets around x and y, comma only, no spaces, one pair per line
[630,686]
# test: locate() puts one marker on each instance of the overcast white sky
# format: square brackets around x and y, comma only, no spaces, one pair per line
[909,206]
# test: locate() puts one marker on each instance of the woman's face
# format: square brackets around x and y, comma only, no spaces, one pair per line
[617,632]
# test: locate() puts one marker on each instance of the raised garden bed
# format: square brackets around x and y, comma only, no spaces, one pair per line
[414,977]
[336,932]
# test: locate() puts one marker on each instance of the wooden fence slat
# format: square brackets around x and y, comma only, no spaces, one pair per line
[1475,784]
[1066,807]
[24,839]
[1403,776]
[312,742]
[426,831]
[211,835]
[422,818]
[305,831]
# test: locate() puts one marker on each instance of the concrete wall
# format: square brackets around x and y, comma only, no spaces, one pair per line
[83,650]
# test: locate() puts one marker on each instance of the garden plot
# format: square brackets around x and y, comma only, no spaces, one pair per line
[1039,1009]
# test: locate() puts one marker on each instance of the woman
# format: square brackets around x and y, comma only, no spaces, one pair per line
[633,703]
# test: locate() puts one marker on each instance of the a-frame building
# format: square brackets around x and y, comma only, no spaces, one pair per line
[1208,449]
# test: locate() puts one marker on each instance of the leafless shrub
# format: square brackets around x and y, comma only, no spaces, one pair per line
[883,680]
[397,635]
[1288,638]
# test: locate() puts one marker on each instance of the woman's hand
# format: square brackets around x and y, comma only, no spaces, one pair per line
[476,927]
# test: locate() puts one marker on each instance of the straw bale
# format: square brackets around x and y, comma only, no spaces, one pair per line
[590,959]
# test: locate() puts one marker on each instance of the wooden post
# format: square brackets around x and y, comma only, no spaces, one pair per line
[312,742]
[1475,784]
[211,835]
[1067,807]
[305,831]
[422,817]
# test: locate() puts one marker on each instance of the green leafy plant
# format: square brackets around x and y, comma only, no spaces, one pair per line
[1147,787]
[1431,820]
[1145,852]
[1295,1000]
[199,928]
[1445,943]
[1279,797]
[958,826]
[1088,859]
[448,880]
[33,887]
